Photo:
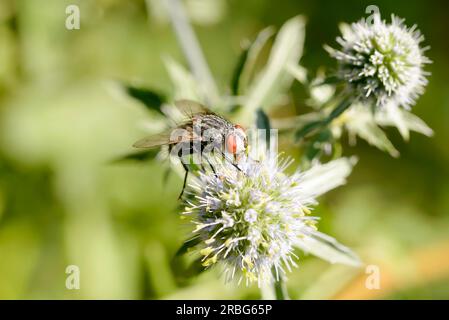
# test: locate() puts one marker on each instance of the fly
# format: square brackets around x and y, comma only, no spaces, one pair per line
[203,131]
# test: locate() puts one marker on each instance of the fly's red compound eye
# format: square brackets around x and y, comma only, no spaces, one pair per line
[231,143]
[234,143]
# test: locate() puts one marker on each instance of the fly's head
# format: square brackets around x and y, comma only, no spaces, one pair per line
[237,142]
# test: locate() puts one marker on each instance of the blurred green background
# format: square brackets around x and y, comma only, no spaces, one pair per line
[62,202]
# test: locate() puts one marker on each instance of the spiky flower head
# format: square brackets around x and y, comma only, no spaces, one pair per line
[383,62]
[250,220]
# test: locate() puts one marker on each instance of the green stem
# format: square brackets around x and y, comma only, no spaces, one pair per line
[191,48]
[280,290]
[314,126]
[279,287]
[338,110]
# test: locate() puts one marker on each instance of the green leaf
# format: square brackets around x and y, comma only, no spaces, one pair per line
[412,122]
[338,110]
[151,99]
[312,126]
[307,129]
[274,79]
[371,133]
[254,51]
[395,114]
[315,145]
[327,80]
[416,124]
[187,245]
[195,268]
[327,248]
[146,155]
[235,83]
[321,178]
[185,84]
[299,72]
[246,64]
[312,152]
[263,122]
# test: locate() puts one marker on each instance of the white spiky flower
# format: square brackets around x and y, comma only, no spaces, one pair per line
[383,62]
[250,221]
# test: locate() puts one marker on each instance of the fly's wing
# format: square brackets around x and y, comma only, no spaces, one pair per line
[153,141]
[184,133]
[190,108]
[173,136]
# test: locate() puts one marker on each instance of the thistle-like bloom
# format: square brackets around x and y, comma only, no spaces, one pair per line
[382,62]
[250,221]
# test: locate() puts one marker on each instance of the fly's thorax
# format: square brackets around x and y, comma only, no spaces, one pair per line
[212,121]
[212,129]
[201,135]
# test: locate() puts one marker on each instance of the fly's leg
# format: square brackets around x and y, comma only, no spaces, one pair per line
[211,166]
[230,161]
[202,167]
[185,179]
